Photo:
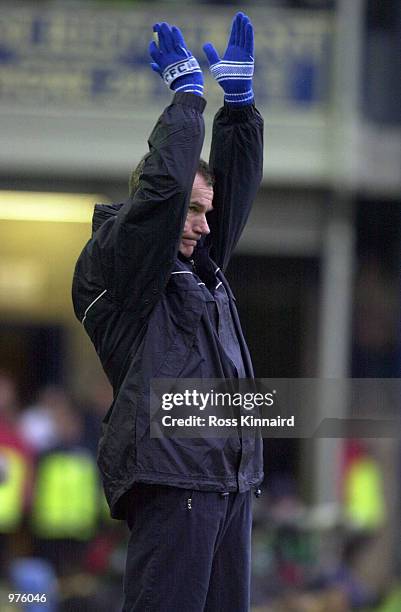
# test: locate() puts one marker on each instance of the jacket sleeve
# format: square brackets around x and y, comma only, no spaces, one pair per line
[236,160]
[138,247]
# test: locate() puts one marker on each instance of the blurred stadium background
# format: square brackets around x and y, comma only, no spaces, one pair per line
[316,275]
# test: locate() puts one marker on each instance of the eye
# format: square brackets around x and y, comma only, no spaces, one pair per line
[193,208]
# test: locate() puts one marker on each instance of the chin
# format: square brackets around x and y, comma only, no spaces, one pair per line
[186,250]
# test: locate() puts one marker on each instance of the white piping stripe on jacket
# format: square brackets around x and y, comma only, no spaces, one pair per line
[183,272]
[91,304]
[218,284]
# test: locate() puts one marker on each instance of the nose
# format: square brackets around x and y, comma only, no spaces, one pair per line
[202,226]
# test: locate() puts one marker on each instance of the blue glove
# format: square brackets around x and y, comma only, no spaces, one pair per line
[234,71]
[176,65]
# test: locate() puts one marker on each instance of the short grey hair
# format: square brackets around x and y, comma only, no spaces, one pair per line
[203,169]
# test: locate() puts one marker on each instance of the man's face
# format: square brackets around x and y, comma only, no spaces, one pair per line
[196,225]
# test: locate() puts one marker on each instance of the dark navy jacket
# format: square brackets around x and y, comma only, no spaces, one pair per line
[150,313]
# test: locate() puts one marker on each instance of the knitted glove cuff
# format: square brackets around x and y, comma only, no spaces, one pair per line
[239,99]
[183,67]
[228,70]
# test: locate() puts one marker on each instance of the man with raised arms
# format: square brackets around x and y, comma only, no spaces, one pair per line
[149,289]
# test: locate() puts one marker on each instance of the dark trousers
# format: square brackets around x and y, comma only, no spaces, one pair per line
[189,551]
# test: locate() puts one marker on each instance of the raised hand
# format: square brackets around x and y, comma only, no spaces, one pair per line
[173,61]
[234,71]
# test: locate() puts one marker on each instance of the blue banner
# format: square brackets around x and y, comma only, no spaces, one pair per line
[97,58]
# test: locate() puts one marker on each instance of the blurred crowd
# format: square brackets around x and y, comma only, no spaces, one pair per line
[56,537]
